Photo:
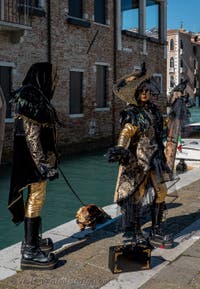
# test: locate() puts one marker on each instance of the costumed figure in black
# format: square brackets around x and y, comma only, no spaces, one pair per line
[2,119]
[177,119]
[140,153]
[34,161]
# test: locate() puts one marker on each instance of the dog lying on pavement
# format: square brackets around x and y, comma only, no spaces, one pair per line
[91,215]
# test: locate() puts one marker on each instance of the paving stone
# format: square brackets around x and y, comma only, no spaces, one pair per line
[83,264]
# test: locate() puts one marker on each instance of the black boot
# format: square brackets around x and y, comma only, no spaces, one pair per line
[45,244]
[157,236]
[32,256]
[134,231]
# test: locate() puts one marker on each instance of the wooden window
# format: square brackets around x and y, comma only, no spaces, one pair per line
[76,8]
[101,86]
[5,82]
[99,11]
[76,92]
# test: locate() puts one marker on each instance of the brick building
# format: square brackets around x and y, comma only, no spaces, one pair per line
[93,43]
[183,61]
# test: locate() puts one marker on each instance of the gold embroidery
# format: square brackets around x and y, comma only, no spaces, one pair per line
[32,134]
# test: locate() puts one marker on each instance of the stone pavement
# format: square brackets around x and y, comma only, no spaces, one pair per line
[83,258]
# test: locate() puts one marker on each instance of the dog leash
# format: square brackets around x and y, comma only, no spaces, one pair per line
[69,185]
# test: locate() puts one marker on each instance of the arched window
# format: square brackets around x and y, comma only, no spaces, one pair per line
[181,63]
[171,64]
[172,44]
[171,81]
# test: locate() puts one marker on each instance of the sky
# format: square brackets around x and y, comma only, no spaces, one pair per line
[186,12]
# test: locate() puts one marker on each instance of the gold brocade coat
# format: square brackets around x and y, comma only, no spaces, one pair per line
[142,134]
[34,151]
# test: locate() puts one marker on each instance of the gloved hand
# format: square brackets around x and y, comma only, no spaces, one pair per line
[48,172]
[52,174]
[118,154]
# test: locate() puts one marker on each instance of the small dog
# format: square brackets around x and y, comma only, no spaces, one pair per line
[90,215]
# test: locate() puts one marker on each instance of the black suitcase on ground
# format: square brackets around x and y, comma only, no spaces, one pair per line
[127,258]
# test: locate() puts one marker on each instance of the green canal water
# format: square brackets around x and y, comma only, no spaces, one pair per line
[90,176]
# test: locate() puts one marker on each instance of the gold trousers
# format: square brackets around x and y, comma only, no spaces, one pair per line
[160,189]
[35,199]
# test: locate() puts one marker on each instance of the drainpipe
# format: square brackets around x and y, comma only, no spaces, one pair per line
[114,67]
[49,31]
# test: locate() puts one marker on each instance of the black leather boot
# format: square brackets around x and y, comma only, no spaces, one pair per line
[157,236]
[32,256]
[134,231]
[45,244]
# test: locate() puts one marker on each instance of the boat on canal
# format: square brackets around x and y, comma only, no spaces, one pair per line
[189,148]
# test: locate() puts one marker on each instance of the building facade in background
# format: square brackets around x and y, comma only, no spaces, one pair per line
[183,61]
[93,43]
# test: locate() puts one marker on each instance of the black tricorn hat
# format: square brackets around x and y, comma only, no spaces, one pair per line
[126,86]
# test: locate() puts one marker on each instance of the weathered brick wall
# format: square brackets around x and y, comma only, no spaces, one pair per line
[70,46]
[70,50]
[20,53]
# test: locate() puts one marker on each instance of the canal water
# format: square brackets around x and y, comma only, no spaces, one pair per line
[195,114]
[90,175]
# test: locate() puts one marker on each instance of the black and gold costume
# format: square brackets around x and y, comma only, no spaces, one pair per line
[2,119]
[140,152]
[34,159]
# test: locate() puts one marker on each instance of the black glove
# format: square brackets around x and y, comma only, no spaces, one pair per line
[118,154]
[52,174]
[48,172]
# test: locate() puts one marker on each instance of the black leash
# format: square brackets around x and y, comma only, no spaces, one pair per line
[69,185]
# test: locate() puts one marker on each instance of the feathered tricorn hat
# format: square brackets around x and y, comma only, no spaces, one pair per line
[126,86]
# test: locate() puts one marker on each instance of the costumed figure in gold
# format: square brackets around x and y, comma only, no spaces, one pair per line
[34,161]
[140,153]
